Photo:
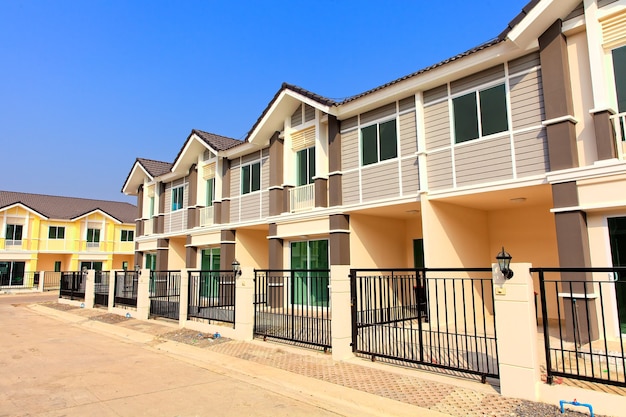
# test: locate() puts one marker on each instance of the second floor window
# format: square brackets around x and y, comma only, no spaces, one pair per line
[151,208]
[210,191]
[14,232]
[56,232]
[379,142]
[480,113]
[305,166]
[93,235]
[128,235]
[177,198]
[250,178]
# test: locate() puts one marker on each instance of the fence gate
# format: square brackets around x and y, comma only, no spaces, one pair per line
[72,285]
[442,318]
[583,313]
[165,294]
[101,288]
[293,305]
[212,295]
[125,291]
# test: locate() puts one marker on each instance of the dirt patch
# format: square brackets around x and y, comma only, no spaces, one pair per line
[58,306]
[110,318]
[194,338]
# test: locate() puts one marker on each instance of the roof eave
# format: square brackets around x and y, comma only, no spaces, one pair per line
[131,180]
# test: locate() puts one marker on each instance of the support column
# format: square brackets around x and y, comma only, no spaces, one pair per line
[162,254]
[191,255]
[244,304]
[183,298]
[605,135]
[276,174]
[516,327]
[192,199]
[139,221]
[275,296]
[341,324]
[334,162]
[227,249]
[90,288]
[143,295]
[111,297]
[321,192]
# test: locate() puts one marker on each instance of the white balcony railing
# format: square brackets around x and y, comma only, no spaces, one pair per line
[206,216]
[176,221]
[619,124]
[302,198]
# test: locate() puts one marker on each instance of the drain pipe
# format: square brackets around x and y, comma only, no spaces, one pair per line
[576,403]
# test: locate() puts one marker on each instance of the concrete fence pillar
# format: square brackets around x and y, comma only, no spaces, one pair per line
[89,278]
[143,294]
[183,303]
[516,328]
[111,298]
[41,280]
[340,305]
[244,304]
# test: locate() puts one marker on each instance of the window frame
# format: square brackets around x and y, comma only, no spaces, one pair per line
[178,192]
[479,108]
[93,234]
[210,191]
[309,169]
[378,141]
[14,233]
[56,235]
[130,235]
[251,178]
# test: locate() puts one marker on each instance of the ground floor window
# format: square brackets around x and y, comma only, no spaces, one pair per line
[97,265]
[12,273]
[310,287]
[209,281]
[150,261]
[617,237]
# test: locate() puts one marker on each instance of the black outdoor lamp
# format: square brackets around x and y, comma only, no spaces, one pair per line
[504,261]
[236,267]
[137,269]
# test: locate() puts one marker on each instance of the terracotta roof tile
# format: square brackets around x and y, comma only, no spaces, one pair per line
[68,208]
[155,168]
[217,142]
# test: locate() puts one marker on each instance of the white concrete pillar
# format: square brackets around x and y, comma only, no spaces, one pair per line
[341,312]
[111,299]
[516,328]
[183,298]
[143,295]
[42,277]
[244,304]
[90,289]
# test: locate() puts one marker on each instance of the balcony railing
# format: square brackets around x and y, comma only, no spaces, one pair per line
[206,216]
[148,227]
[302,198]
[619,124]
[176,221]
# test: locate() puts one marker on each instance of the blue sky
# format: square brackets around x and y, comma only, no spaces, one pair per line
[88,86]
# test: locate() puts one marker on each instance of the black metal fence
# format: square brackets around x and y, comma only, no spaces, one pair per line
[293,305]
[125,291]
[72,285]
[583,312]
[212,295]
[165,294]
[442,318]
[101,288]
[26,279]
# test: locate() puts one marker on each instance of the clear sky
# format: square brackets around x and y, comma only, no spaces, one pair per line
[87,86]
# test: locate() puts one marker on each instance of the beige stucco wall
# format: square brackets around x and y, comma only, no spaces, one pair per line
[252,248]
[176,255]
[378,242]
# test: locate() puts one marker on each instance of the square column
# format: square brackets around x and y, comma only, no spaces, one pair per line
[90,287]
[143,294]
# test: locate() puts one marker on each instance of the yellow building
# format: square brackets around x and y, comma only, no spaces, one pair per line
[53,233]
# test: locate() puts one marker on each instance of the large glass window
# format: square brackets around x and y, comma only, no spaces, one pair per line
[250,178]
[305,166]
[210,191]
[310,286]
[379,142]
[56,232]
[177,198]
[151,209]
[14,232]
[210,281]
[619,72]
[150,261]
[480,113]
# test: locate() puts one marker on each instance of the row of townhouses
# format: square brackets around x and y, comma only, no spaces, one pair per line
[44,233]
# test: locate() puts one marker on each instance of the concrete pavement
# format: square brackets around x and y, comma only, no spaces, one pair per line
[57,363]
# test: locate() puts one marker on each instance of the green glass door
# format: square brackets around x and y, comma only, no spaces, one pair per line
[209,281]
[617,236]
[310,287]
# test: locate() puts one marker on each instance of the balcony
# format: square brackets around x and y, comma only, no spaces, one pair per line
[302,198]
[206,216]
[619,125]
[176,221]
[148,227]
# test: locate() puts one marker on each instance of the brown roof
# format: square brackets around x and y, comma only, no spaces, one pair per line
[68,208]
[155,168]
[217,142]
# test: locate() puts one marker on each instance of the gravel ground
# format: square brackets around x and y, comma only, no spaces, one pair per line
[195,338]
[58,306]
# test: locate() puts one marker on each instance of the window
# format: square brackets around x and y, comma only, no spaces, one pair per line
[14,232]
[151,209]
[128,235]
[151,261]
[379,142]
[305,166]
[56,232]
[250,178]
[177,198]
[480,113]
[619,72]
[93,235]
[57,266]
[210,191]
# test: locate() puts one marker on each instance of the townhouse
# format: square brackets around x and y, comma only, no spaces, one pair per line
[55,233]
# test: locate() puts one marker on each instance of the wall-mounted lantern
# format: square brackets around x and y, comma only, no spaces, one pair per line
[236,267]
[504,261]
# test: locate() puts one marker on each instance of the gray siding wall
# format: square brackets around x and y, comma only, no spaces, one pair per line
[380,181]
[350,182]
[482,161]
[478,79]
[439,169]
[531,153]
[250,206]
[437,125]
[235,179]
[378,113]
[350,150]
[410,177]
[408,134]
[527,107]
[296,117]
[434,94]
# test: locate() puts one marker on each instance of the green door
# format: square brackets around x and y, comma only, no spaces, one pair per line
[617,236]
[209,281]
[310,288]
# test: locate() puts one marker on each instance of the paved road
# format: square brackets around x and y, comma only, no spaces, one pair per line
[55,368]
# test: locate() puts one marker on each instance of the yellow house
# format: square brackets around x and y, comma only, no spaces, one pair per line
[54,233]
